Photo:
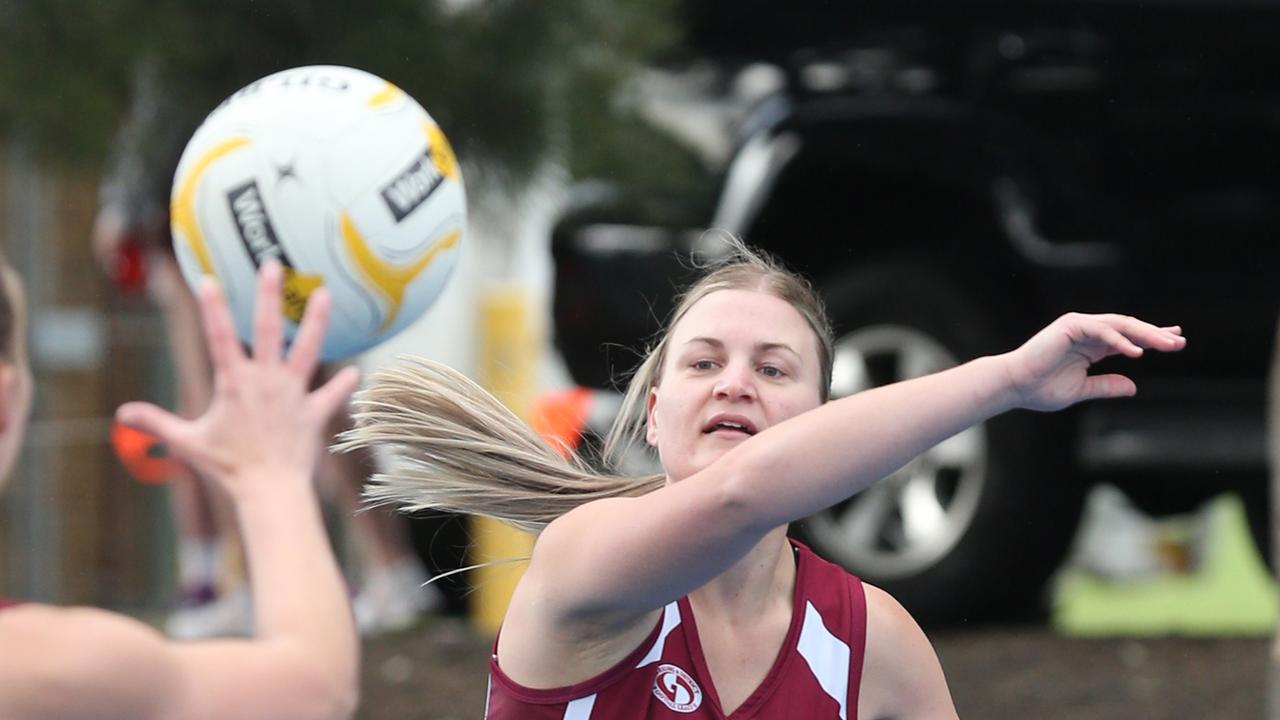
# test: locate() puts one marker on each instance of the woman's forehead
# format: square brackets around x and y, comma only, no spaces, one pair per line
[727,316]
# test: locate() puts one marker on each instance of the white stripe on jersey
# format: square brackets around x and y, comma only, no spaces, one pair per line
[827,656]
[670,619]
[580,709]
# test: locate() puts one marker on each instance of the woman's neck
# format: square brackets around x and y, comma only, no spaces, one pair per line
[765,576]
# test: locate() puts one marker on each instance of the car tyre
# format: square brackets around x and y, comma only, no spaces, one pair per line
[973,528]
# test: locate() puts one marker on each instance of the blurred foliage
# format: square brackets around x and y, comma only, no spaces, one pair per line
[505,79]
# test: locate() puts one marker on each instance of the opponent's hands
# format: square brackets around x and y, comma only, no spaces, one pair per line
[108,237]
[1051,370]
[262,420]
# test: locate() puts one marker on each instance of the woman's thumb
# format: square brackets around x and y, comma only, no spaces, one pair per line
[1112,385]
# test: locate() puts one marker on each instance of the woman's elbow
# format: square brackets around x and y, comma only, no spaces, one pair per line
[332,704]
[323,694]
[344,706]
[343,702]
[344,698]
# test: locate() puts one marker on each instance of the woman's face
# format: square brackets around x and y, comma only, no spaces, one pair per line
[738,362]
[16,384]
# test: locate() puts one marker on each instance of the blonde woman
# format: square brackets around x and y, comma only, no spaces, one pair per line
[260,440]
[680,595]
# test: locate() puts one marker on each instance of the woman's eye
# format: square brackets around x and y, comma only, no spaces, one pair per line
[771,371]
[703,365]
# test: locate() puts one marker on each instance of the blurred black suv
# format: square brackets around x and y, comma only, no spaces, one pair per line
[954,176]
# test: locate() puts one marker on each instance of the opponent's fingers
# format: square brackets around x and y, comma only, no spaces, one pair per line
[268,315]
[168,427]
[304,354]
[219,331]
[1111,385]
[334,394]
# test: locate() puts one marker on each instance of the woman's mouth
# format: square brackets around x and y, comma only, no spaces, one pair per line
[729,427]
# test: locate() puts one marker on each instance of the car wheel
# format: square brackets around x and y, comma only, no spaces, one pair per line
[973,527]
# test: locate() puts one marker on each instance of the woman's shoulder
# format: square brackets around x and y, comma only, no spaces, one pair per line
[900,668]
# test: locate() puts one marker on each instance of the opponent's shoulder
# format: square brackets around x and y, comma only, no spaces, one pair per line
[52,622]
[35,624]
[73,662]
[69,642]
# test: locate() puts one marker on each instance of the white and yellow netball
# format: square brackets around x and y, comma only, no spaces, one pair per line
[342,177]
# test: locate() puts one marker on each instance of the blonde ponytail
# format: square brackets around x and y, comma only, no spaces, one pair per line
[450,445]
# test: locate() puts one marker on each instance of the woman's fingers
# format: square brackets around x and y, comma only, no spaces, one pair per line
[1139,334]
[1117,342]
[268,315]
[224,344]
[304,354]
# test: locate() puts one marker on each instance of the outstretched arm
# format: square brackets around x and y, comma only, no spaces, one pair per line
[679,537]
[260,439]
[841,448]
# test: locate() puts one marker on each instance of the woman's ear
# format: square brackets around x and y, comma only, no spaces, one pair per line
[651,425]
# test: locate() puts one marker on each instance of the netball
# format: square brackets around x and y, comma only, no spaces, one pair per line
[342,177]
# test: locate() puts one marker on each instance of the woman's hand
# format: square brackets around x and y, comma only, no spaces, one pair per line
[261,421]
[1051,370]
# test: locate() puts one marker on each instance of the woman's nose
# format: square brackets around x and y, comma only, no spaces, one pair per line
[735,383]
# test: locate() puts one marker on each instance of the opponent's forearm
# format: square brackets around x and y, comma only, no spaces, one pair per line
[190,356]
[823,456]
[298,592]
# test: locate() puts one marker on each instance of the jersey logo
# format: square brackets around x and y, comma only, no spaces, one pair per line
[676,689]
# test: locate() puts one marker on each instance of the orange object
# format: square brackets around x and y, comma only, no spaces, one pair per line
[145,457]
[561,417]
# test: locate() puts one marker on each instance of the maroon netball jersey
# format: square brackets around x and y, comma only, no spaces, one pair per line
[816,674]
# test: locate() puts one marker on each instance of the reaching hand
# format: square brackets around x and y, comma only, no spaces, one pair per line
[165,284]
[261,421]
[108,237]
[1051,370]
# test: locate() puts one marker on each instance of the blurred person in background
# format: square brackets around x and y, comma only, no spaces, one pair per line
[681,591]
[259,439]
[132,242]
